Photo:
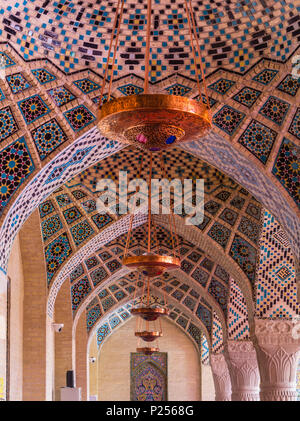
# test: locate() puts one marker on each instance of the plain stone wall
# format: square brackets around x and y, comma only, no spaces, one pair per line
[15,273]
[3,313]
[183,364]
[93,368]
[208,387]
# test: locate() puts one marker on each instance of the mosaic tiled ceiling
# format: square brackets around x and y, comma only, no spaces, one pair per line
[75,34]
[108,325]
[231,215]
[46,111]
[200,277]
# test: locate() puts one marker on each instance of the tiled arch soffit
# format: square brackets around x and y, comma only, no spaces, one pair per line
[191,237]
[204,300]
[242,91]
[91,148]
[127,304]
[196,340]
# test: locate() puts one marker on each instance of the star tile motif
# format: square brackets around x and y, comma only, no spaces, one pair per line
[79,117]
[16,165]
[17,83]
[265,76]
[247,96]
[228,119]
[86,85]
[289,85]
[275,109]
[33,108]
[286,168]
[259,140]
[61,95]
[43,76]
[8,125]
[294,128]
[221,86]
[177,89]
[48,137]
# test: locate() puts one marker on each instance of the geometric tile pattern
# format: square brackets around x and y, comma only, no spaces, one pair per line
[5,60]
[237,321]
[130,89]
[228,119]
[98,275]
[245,256]
[48,137]
[86,85]
[102,332]
[79,117]
[79,291]
[205,351]
[61,95]
[221,86]
[220,293]
[265,76]
[217,335]
[229,216]
[92,316]
[77,272]
[33,108]
[8,125]
[205,316]
[178,89]
[50,226]
[276,289]
[247,96]
[15,166]
[72,214]
[46,208]
[289,85]
[81,232]
[2,96]
[91,262]
[63,200]
[55,254]
[294,128]
[275,109]
[101,220]
[250,229]
[43,76]
[17,83]
[259,140]
[286,168]
[220,234]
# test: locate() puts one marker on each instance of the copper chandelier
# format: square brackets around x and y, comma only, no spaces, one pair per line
[153,123]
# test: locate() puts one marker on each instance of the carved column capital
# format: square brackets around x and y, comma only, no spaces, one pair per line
[278,348]
[221,377]
[243,370]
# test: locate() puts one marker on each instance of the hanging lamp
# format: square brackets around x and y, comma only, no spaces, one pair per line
[154,122]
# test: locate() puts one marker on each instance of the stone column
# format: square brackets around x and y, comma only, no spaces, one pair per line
[221,377]
[243,370]
[278,350]
[81,356]
[34,314]
[63,340]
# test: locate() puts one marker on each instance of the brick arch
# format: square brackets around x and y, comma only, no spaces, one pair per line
[108,316]
[206,302]
[119,227]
